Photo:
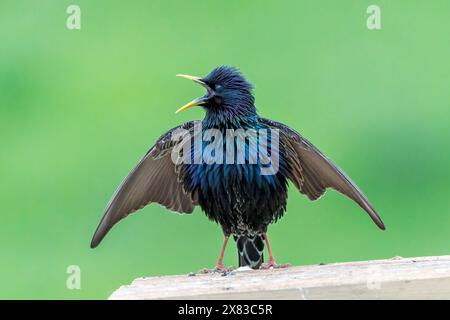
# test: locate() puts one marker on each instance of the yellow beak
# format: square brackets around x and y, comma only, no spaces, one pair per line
[191,104]
[197,101]
[193,78]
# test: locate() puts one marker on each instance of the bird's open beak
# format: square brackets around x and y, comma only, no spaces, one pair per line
[197,101]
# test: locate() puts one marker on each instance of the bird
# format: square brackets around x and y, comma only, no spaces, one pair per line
[239,196]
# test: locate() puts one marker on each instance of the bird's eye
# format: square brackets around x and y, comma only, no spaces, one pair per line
[218,88]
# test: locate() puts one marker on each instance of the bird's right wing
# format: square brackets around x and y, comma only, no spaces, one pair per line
[312,172]
[154,179]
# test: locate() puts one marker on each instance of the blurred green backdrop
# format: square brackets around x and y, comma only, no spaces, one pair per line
[79,108]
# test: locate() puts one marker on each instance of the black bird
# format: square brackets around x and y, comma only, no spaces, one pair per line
[240,196]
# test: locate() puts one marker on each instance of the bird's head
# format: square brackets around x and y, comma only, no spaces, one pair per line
[228,94]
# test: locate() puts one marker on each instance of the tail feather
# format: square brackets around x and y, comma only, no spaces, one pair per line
[250,251]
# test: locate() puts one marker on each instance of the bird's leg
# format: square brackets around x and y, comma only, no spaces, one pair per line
[219,265]
[271,263]
[271,258]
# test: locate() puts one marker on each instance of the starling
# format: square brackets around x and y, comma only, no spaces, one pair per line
[244,196]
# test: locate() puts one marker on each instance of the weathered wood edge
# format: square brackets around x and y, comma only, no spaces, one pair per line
[396,278]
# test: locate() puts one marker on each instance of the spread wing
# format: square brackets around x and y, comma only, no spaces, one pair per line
[312,172]
[154,179]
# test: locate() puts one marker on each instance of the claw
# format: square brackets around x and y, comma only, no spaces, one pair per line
[217,269]
[274,265]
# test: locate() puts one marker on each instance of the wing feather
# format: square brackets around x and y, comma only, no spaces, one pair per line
[317,172]
[154,179]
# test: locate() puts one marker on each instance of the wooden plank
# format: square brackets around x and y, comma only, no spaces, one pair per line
[396,278]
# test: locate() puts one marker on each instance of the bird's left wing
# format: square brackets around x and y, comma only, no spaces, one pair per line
[312,172]
[154,179]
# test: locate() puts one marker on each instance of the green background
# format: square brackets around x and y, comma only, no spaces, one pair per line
[79,108]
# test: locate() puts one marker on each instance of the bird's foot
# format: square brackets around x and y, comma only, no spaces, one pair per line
[274,265]
[218,269]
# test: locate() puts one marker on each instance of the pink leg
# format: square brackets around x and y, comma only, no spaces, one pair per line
[219,264]
[271,258]
[271,263]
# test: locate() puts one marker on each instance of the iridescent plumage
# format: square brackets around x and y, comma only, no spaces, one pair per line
[236,196]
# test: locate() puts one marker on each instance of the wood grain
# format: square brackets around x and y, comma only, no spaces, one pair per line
[396,278]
